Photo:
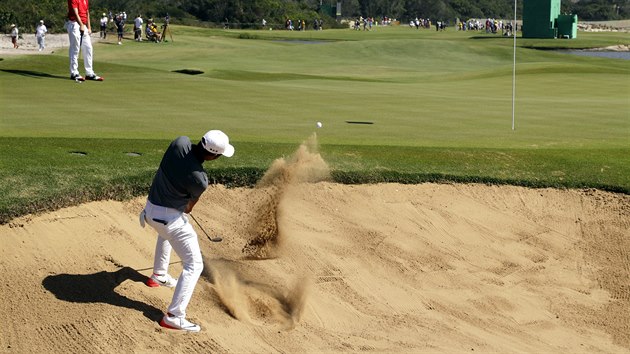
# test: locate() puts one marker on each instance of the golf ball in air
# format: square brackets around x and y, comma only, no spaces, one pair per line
[319,124]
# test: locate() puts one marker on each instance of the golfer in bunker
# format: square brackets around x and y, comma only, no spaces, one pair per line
[178,183]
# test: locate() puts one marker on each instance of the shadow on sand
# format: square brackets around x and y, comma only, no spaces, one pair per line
[99,287]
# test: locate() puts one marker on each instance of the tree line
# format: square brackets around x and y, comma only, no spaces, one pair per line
[244,13]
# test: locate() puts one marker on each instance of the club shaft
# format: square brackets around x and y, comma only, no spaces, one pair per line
[201,227]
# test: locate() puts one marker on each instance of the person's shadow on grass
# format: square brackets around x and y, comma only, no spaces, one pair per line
[99,287]
[33,74]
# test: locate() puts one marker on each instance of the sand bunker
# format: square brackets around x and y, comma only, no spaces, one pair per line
[384,268]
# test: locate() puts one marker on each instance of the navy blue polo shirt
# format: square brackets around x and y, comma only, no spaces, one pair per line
[180,177]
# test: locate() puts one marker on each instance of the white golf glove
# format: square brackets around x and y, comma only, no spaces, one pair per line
[143,215]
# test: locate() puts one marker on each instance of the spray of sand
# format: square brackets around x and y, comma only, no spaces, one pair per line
[257,302]
[306,165]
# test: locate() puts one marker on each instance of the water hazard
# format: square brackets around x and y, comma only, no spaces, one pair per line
[599,54]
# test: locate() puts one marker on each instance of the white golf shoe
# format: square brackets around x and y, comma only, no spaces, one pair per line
[178,323]
[161,280]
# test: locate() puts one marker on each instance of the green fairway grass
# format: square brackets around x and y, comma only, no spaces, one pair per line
[440,104]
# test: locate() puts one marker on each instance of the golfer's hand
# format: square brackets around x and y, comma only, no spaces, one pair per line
[190,205]
[82,28]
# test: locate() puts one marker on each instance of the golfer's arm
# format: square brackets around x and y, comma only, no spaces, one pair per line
[190,205]
[89,25]
[76,15]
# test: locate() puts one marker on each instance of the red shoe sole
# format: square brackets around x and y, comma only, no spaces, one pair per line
[152,283]
[165,325]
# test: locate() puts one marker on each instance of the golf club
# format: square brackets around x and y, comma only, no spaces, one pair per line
[79,54]
[215,239]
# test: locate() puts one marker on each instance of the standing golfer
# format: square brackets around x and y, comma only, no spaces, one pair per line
[179,182]
[79,30]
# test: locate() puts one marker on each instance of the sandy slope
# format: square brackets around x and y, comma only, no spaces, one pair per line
[319,267]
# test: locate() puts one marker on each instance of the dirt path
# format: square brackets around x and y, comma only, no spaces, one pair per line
[28,44]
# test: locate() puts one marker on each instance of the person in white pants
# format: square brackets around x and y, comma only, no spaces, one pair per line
[79,30]
[174,232]
[40,34]
[178,183]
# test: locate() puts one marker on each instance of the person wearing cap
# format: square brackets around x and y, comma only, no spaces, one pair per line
[151,31]
[178,183]
[79,30]
[104,21]
[14,36]
[40,34]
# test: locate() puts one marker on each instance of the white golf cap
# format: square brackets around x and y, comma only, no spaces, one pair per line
[216,142]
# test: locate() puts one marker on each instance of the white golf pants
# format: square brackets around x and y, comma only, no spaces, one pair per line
[41,43]
[74,35]
[175,232]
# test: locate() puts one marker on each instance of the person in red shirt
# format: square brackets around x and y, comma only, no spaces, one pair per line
[79,31]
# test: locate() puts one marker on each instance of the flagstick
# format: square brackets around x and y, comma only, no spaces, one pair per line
[514,67]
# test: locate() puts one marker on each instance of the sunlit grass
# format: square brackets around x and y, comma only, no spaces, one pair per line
[440,104]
